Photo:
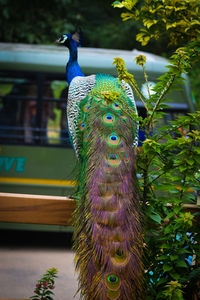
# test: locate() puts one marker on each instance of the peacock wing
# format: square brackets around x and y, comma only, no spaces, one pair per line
[78,90]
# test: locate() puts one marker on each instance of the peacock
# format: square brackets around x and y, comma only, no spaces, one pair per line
[108,237]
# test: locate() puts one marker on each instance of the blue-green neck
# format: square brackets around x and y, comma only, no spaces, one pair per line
[73,69]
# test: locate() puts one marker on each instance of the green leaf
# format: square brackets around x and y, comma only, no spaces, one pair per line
[156,218]
[49,298]
[171,214]
[168,229]
[49,293]
[175,276]
[161,281]
[162,257]
[164,187]
[126,16]
[165,246]
[181,264]
[173,257]
[177,210]
[167,268]
[148,23]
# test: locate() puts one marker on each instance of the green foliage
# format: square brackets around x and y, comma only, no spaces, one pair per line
[35,21]
[168,164]
[45,285]
[176,22]
[43,22]
[194,75]
[179,19]
[173,291]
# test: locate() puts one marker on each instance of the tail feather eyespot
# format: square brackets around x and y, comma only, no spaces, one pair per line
[120,258]
[109,118]
[112,282]
[85,137]
[113,139]
[82,126]
[86,107]
[116,106]
[114,160]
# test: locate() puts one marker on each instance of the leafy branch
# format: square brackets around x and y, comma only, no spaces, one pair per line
[176,19]
[44,286]
[127,77]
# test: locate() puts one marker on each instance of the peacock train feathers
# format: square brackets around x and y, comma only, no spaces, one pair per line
[108,237]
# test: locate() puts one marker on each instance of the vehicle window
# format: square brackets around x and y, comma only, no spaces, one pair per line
[33,109]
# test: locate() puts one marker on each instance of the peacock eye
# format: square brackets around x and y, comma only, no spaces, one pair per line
[116,107]
[113,137]
[86,108]
[112,278]
[82,126]
[113,156]
[109,119]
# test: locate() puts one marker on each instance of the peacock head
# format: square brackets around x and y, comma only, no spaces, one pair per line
[67,38]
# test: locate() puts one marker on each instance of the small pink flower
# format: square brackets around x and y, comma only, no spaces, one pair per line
[46,283]
[38,285]
[167,221]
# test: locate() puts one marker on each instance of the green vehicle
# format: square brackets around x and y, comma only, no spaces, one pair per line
[36,156]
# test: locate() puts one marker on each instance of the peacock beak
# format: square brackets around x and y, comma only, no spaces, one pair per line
[62,39]
[58,41]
